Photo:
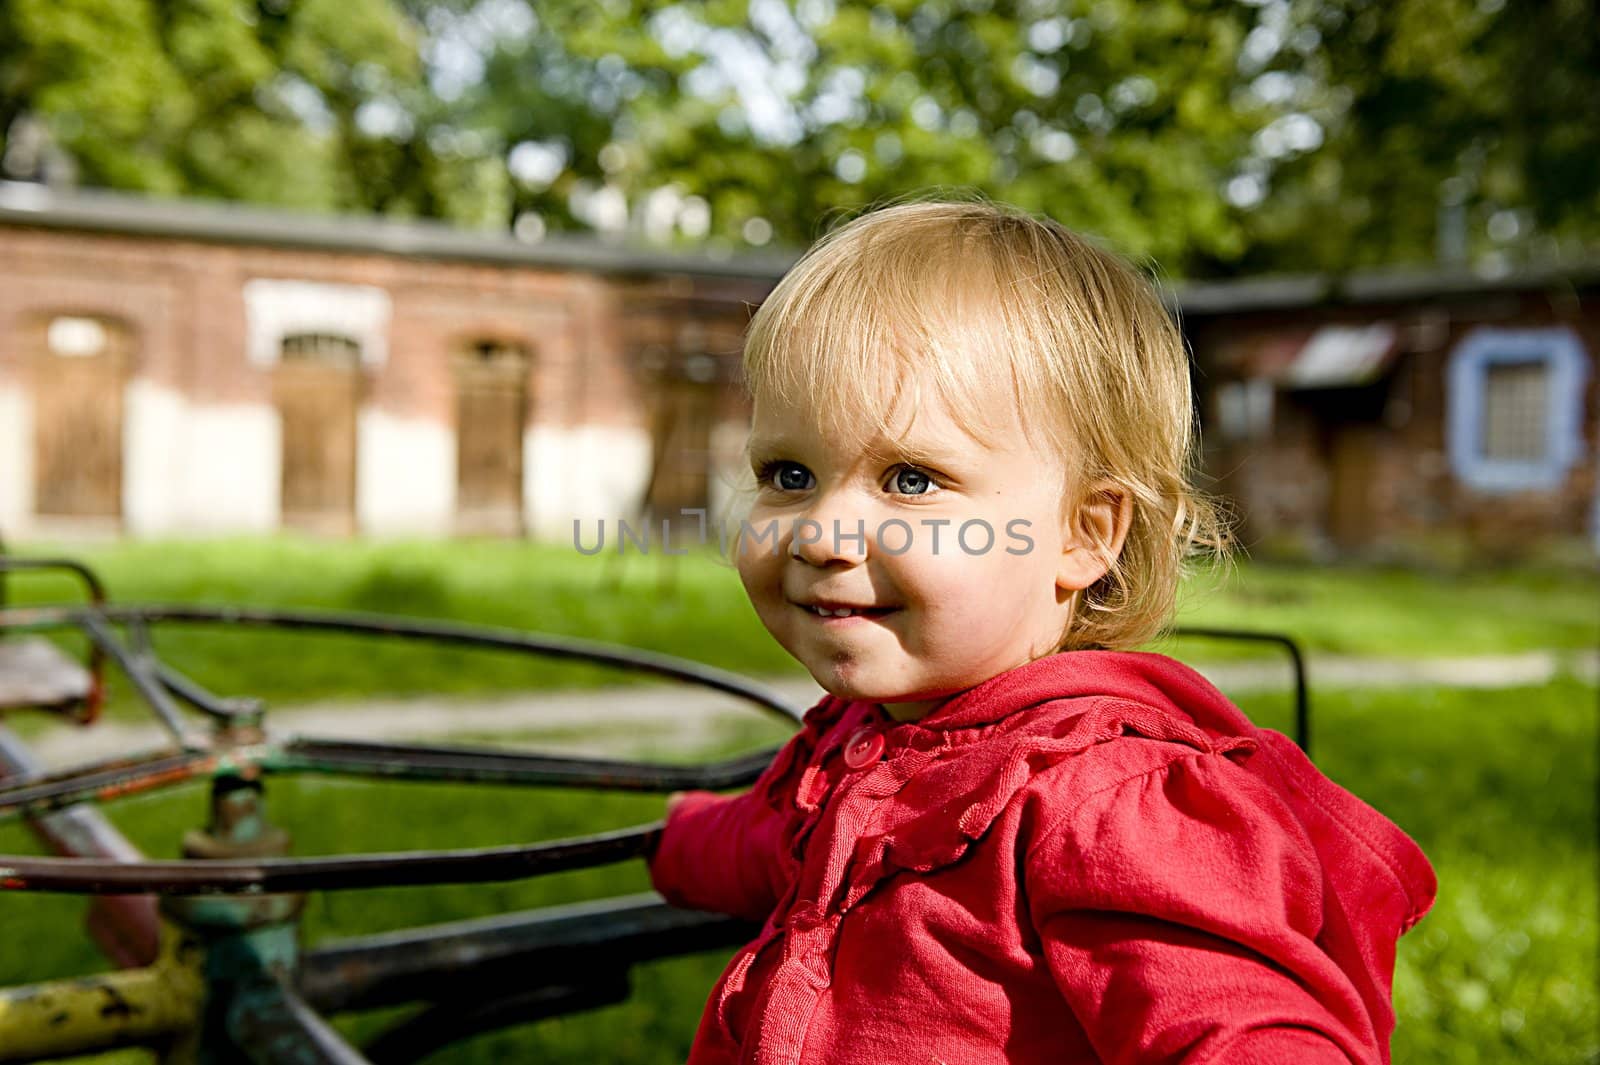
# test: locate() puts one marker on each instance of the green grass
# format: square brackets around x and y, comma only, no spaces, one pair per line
[694,607]
[1401,613]
[1499,788]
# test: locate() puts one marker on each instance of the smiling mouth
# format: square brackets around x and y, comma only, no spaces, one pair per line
[842,613]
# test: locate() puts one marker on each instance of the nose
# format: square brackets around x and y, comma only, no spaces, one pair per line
[829,532]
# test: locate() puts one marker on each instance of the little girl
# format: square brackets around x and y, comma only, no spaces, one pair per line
[1002,836]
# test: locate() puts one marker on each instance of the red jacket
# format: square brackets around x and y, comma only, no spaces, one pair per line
[1093,857]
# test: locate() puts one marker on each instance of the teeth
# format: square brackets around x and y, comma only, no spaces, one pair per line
[841,612]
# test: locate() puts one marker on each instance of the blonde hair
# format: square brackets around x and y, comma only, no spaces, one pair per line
[966,296]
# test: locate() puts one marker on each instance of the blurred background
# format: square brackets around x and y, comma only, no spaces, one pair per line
[363,304]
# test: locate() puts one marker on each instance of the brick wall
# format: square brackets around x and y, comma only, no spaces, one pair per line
[1282,483]
[182,303]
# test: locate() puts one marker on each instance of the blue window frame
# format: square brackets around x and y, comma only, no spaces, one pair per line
[1516,408]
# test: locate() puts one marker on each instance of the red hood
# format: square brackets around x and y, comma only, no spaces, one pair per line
[1168,685]
[1377,882]
[1152,679]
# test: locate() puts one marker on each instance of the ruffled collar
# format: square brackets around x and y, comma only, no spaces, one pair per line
[1138,676]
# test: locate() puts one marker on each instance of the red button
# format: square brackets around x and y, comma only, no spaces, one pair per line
[864,748]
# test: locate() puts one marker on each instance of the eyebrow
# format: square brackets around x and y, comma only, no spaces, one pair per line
[895,450]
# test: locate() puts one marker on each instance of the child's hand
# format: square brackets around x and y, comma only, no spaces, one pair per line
[655,836]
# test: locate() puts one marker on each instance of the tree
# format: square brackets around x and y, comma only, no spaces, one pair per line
[1438,113]
[1212,136]
[294,102]
[1216,137]
[1116,116]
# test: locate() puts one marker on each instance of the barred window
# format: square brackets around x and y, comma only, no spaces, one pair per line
[321,347]
[1516,408]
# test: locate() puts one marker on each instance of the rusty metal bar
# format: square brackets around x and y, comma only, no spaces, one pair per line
[426,964]
[95,700]
[115,777]
[218,707]
[91,581]
[108,780]
[435,1028]
[563,647]
[287,875]
[1302,696]
[488,764]
[125,926]
[270,1024]
[140,672]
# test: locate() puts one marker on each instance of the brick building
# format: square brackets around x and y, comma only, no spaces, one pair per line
[178,367]
[1404,413]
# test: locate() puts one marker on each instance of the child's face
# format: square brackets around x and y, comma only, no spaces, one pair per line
[936,611]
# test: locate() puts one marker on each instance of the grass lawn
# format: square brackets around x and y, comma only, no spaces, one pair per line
[694,607]
[1499,787]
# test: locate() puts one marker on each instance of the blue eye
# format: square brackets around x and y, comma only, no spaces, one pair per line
[786,476]
[910,481]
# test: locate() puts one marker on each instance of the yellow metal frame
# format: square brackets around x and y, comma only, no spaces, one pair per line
[156,1006]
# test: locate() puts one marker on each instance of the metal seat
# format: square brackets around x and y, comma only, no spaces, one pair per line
[36,674]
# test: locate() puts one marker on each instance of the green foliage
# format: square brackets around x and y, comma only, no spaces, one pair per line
[1477,102]
[1213,136]
[1121,123]
[256,100]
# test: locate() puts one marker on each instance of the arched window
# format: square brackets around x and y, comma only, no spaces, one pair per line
[277,311]
[321,347]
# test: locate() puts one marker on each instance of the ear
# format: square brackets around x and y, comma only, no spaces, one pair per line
[1095,532]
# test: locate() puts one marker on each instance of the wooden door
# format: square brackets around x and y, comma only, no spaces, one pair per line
[1353,464]
[491,401]
[317,390]
[79,370]
[681,447]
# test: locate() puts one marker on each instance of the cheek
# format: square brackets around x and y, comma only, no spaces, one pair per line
[963,588]
[760,573]
[749,574]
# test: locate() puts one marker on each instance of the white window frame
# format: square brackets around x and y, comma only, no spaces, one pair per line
[1562,352]
[275,309]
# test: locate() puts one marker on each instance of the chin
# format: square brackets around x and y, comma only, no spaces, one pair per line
[850,691]
[844,688]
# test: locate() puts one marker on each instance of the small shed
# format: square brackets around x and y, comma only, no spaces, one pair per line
[1412,414]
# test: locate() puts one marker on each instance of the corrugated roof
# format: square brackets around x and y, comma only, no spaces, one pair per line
[1341,356]
[1391,285]
[1309,355]
[105,212]
[108,212]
